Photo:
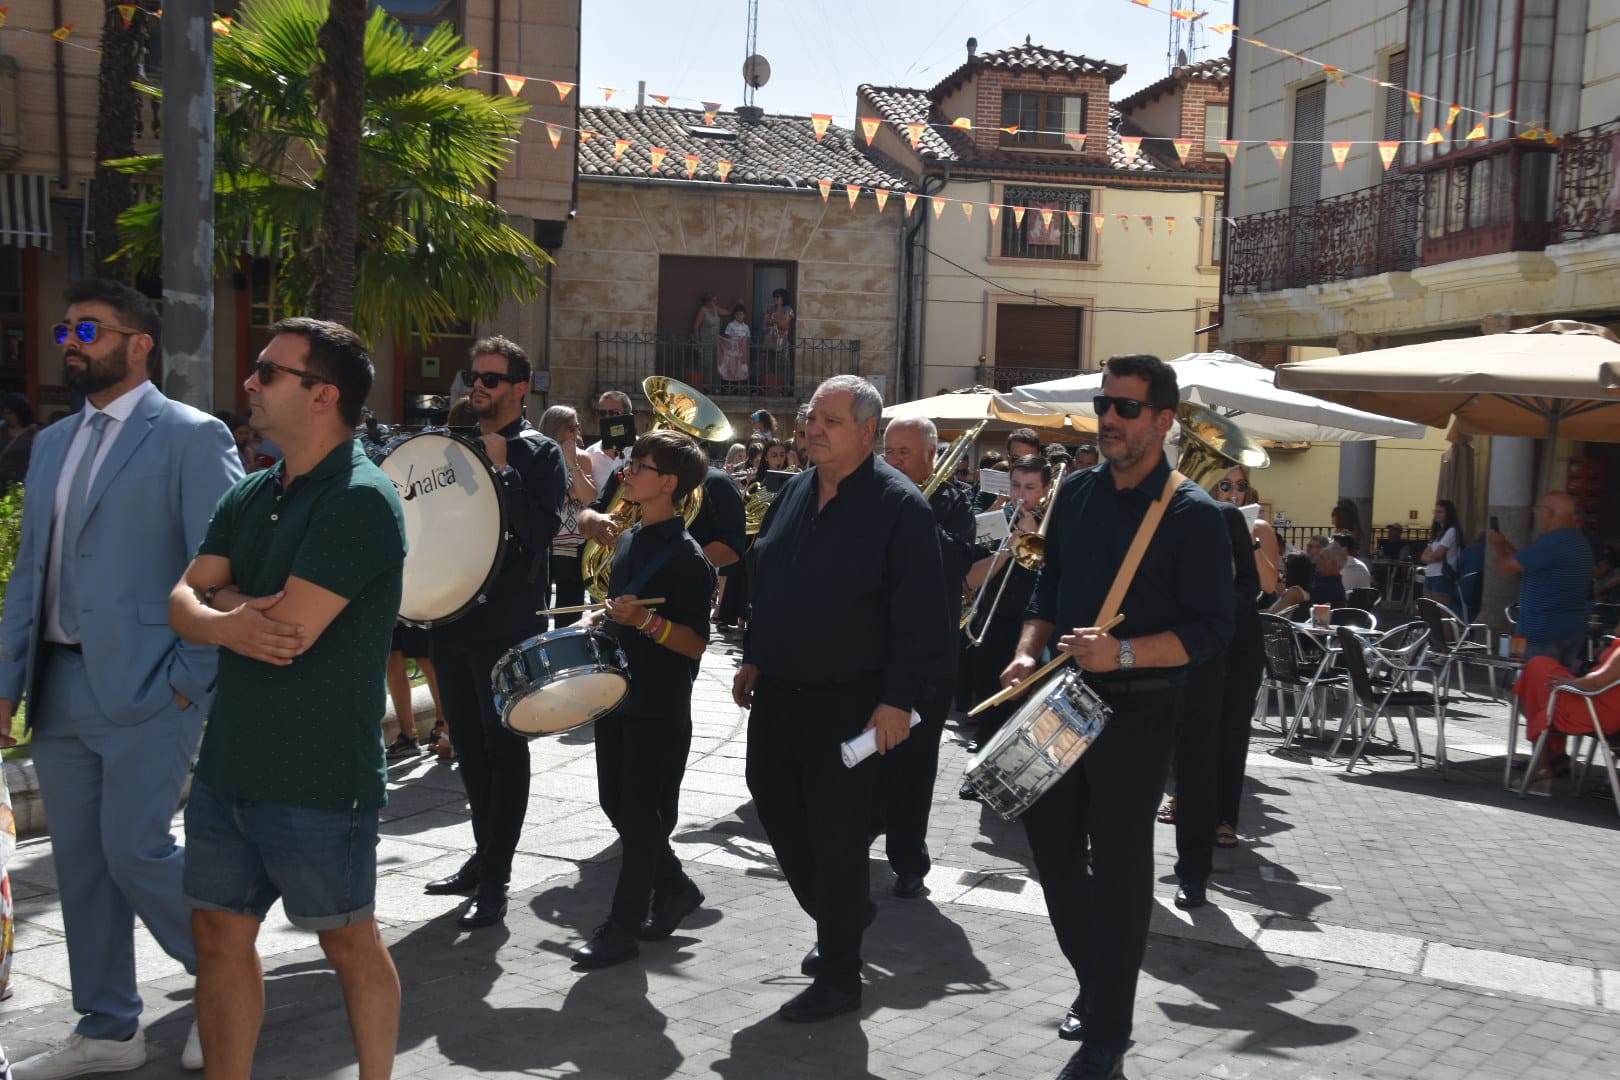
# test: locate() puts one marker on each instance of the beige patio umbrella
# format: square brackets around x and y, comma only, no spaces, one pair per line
[960,409]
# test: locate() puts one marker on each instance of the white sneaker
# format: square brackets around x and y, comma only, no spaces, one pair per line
[191,1057]
[80,1056]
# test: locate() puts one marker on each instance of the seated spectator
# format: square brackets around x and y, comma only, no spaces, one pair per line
[1356,574]
[1394,546]
[1327,587]
[1296,582]
[1535,686]
[1606,577]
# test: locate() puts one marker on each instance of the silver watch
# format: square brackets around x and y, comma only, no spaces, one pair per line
[1127,656]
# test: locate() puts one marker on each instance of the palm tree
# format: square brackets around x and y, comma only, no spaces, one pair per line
[340,93]
[430,251]
[112,191]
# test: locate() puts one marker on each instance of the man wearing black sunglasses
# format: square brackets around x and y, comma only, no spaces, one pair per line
[495,761]
[1092,833]
[118,497]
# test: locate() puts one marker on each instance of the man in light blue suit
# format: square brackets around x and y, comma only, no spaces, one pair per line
[116,501]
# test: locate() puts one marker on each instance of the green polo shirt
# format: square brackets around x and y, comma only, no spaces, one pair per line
[309,734]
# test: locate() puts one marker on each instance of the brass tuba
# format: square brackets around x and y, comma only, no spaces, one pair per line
[674,405]
[947,463]
[1212,445]
[756,501]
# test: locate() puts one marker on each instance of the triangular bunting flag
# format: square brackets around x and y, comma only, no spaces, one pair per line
[1189,14]
[221,26]
[1417,101]
[1433,138]
[4,11]
[1477,133]
[662,99]
[854,192]
[1451,115]
[819,122]
[962,122]
[911,202]
[1073,218]
[555,132]
[869,126]
[1143,3]
[658,154]
[563,88]
[1076,140]
[1497,115]
[1341,150]
[710,110]
[882,196]
[939,205]
[1279,150]
[724,169]
[1147,219]
[1387,152]
[915,130]
[1183,148]
[62,33]
[1224,27]
[125,12]
[619,147]
[1124,221]
[825,187]
[692,161]
[1097,221]
[608,92]
[1333,73]
[1170,226]
[1131,145]
[1532,133]
[586,135]
[1229,147]
[1018,217]
[470,63]
[1011,130]
[994,210]
[515,83]
[967,210]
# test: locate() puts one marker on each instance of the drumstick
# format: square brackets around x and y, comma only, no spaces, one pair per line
[577,608]
[1007,693]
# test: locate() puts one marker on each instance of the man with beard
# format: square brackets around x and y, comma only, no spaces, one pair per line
[117,498]
[495,761]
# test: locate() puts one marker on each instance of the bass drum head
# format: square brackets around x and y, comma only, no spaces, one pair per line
[567,703]
[455,523]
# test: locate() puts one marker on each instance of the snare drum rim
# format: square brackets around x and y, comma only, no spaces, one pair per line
[507,702]
[503,537]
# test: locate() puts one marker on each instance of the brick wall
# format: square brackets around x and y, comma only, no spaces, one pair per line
[1194,97]
[992,84]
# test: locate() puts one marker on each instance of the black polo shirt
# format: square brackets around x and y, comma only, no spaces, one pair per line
[661,679]
[850,589]
[1184,584]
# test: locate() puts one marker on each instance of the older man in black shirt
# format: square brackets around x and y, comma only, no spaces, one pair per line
[1092,833]
[843,637]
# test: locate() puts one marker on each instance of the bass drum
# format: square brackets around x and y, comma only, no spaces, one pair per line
[455,524]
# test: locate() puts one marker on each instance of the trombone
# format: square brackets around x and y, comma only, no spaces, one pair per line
[975,640]
[1028,551]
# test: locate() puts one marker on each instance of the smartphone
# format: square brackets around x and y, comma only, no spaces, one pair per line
[1495,526]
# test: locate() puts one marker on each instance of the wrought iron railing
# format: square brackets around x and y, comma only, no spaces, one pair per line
[1003,379]
[1372,231]
[1052,235]
[1588,195]
[1483,202]
[791,371]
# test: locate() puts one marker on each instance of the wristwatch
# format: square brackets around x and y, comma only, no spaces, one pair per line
[1127,656]
[207,596]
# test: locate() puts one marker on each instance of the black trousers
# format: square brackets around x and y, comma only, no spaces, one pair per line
[570,586]
[990,659]
[1092,838]
[639,765]
[905,786]
[815,810]
[1245,666]
[493,762]
[1197,767]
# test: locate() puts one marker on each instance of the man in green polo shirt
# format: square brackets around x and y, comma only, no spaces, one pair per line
[298,582]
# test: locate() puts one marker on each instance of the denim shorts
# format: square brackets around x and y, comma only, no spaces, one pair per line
[241,856]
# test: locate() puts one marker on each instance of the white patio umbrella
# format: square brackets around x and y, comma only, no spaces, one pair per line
[1242,391]
[963,408]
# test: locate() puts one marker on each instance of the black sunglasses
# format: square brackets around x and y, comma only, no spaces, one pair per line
[636,468]
[88,330]
[490,379]
[1129,408]
[1227,485]
[266,372]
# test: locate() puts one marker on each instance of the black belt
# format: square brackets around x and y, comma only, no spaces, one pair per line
[74,647]
[786,686]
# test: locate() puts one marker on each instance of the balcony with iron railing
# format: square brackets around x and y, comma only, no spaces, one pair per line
[1588,192]
[792,371]
[1002,379]
[1467,204]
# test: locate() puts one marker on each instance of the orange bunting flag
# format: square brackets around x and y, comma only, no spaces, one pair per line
[911,203]
[1229,147]
[967,210]
[1147,219]
[869,126]
[586,135]
[221,26]
[515,83]
[470,63]
[563,88]
[1189,14]
[994,210]
[608,92]
[820,122]
[882,196]
[1170,226]
[1011,130]
[1132,144]
[1532,133]
[1497,115]
[710,110]
[825,186]
[939,205]
[1333,73]
[658,154]
[62,33]
[1124,221]
[692,161]
[1387,152]
[724,169]
[1341,150]
[555,131]
[1143,3]
[1224,27]
[1076,140]
[1451,115]
[1018,217]
[1097,221]
[1434,137]
[619,147]
[662,99]
[1279,150]
[1417,101]
[915,131]
[962,122]
[4,11]
[854,192]
[1477,133]
[125,12]
[1073,217]
[1183,148]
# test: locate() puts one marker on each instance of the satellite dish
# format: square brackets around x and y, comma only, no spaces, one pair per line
[1181,57]
[756,71]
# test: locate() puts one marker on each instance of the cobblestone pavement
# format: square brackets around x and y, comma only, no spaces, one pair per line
[1384,923]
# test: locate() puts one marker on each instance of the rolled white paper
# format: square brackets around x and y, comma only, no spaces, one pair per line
[864,745]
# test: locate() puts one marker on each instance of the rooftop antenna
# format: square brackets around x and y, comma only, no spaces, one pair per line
[755,69]
[1186,38]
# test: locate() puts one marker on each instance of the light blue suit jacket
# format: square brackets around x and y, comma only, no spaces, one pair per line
[145,516]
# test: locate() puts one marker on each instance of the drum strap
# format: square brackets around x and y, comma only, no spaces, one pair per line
[1138,548]
[659,558]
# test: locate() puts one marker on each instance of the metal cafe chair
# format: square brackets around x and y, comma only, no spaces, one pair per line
[1600,742]
[1290,671]
[1397,690]
[1451,643]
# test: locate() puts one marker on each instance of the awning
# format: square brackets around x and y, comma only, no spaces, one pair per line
[25,211]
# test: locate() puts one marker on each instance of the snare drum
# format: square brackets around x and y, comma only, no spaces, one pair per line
[455,523]
[561,680]
[1042,740]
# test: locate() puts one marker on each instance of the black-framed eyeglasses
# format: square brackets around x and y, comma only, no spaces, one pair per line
[491,379]
[88,330]
[636,468]
[265,370]
[1129,408]
[1227,485]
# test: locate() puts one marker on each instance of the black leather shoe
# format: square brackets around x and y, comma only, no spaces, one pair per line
[909,886]
[967,792]
[667,913]
[463,882]
[1071,1027]
[811,964]
[1190,894]
[1094,1063]
[819,1001]
[486,909]
[611,944]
